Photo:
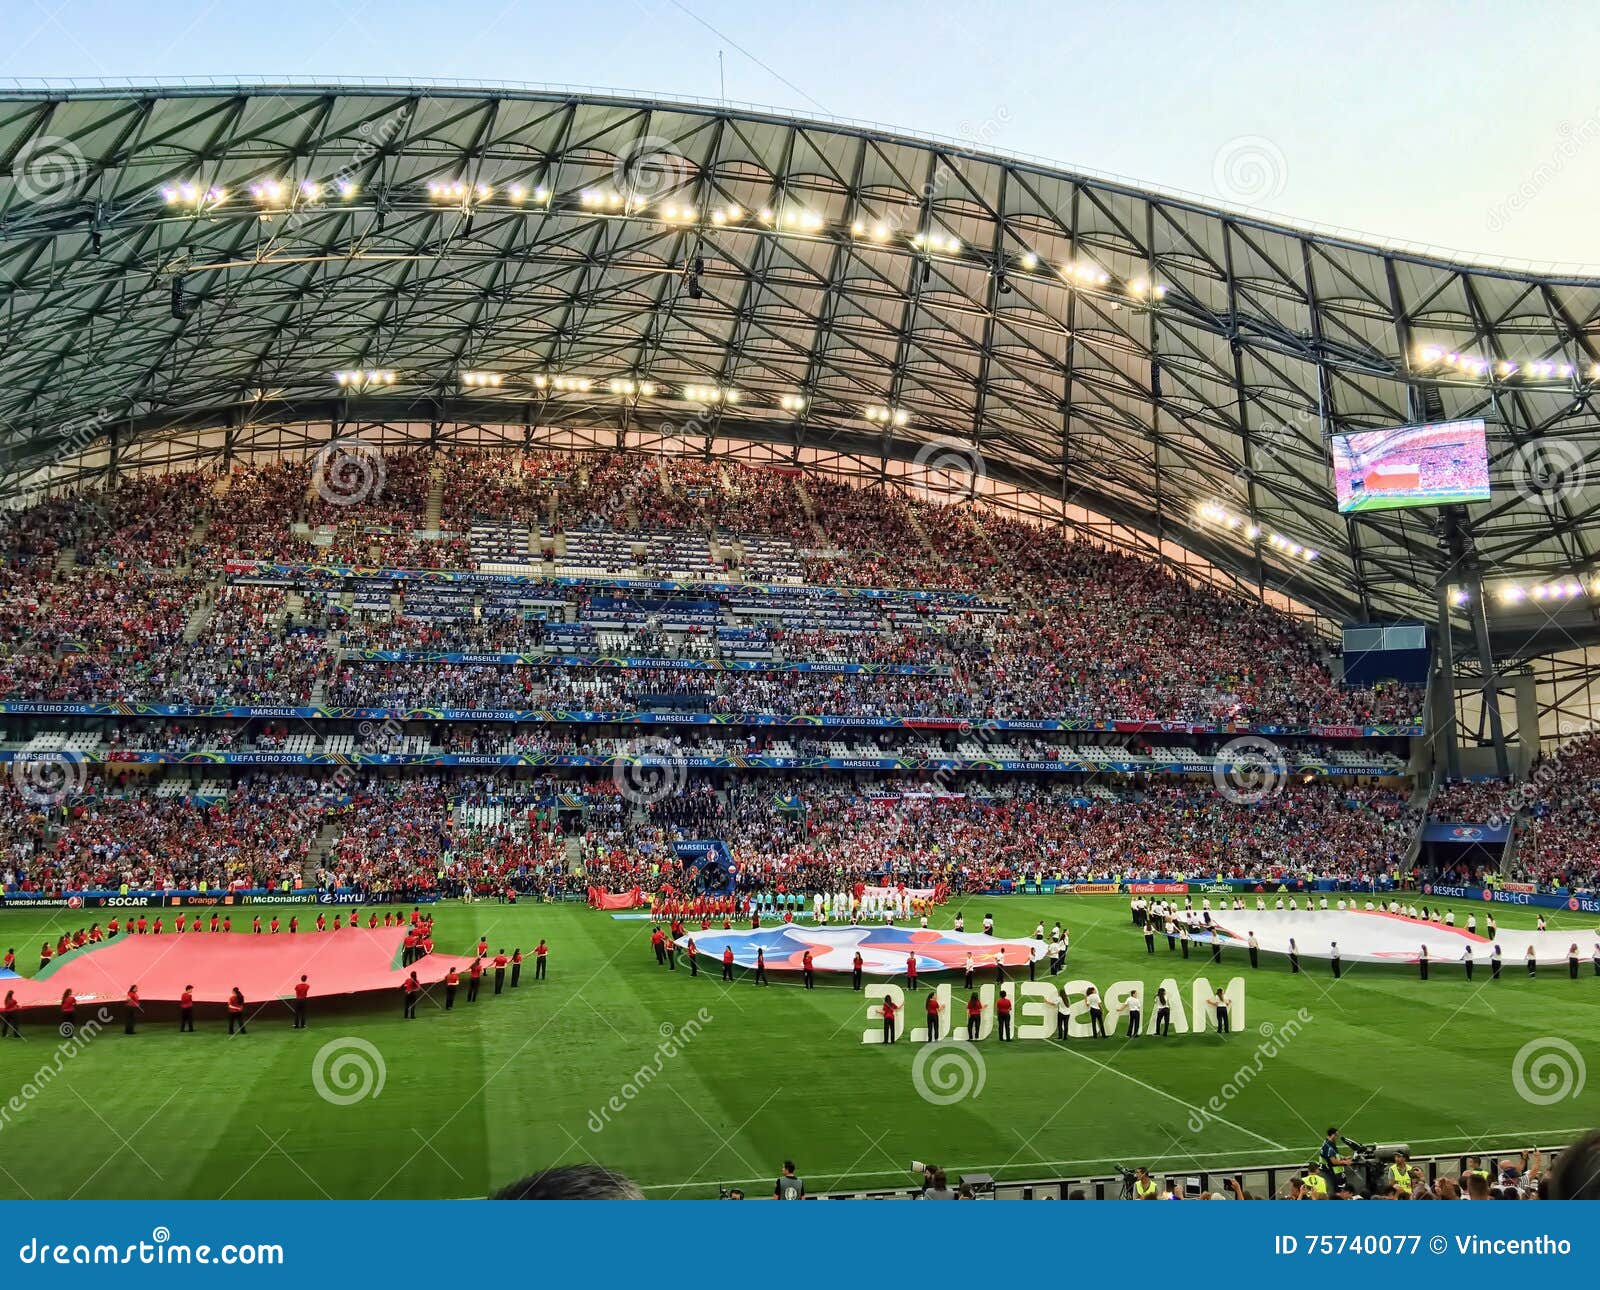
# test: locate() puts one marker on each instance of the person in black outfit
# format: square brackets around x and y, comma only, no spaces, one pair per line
[1149,938]
[1422,963]
[1221,1004]
[412,988]
[1134,1009]
[1097,1017]
[1294,956]
[1334,961]
[499,972]
[1163,1013]
[761,966]
[672,954]
[1572,962]
[516,967]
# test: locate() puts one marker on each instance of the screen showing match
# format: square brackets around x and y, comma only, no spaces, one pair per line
[1443,464]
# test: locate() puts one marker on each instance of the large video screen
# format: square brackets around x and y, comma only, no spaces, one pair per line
[1443,464]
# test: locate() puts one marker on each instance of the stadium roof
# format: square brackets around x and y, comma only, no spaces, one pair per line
[213,254]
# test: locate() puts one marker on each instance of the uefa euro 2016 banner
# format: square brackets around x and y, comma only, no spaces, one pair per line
[187,897]
[1584,902]
[340,572]
[547,716]
[626,663]
[1444,831]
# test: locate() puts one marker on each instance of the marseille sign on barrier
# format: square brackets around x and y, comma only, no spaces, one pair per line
[1035,1012]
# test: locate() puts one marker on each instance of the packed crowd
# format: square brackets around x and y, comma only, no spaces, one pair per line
[784,833]
[1095,632]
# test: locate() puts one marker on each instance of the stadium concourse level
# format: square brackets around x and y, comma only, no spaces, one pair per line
[122,595]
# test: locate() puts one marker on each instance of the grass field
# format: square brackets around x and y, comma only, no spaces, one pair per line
[477,1097]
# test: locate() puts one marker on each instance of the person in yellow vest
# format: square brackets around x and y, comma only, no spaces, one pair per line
[1400,1175]
[1316,1184]
[1144,1186]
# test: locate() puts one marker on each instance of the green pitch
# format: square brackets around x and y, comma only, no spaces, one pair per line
[480,1096]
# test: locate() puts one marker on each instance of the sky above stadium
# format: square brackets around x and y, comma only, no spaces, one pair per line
[1468,126]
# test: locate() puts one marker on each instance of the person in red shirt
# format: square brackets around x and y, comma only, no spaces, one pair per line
[272,927]
[694,958]
[8,1016]
[856,964]
[322,922]
[372,920]
[255,925]
[889,1011]
[541,952]
[338,922]
[658,942]
[112,928]
[131,1016]
[761,966]
[933,1016]
[516,967]
[727,962]
[1002,1012]
[483,947]
[302,988]
[452,979]
[355,921]
[144,925]
[177,923]
[45,955]
[500,961]
[412,987]
[10,963]
[294,924]
[215,923]
[69,1013]
[196,926]
[156,930]
[186,1005]
[911,971]
[236,1010]
[227,922]
[806,972]
[474,979]
[974,1017]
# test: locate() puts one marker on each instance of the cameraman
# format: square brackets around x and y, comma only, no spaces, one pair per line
[1333,1164]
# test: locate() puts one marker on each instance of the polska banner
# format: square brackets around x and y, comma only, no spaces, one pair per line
[615,899]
